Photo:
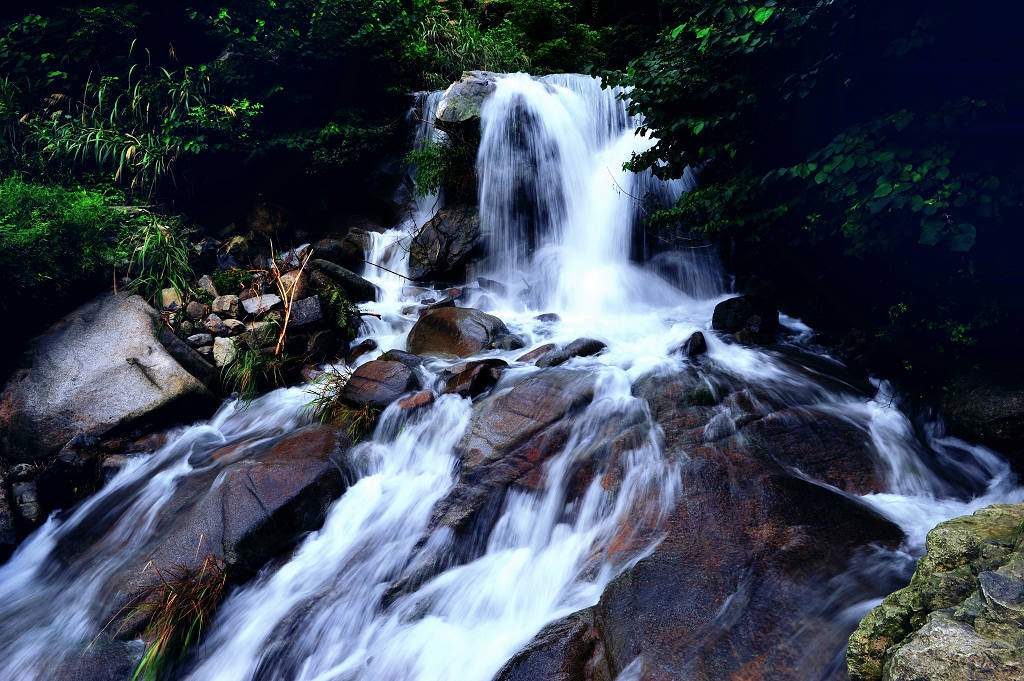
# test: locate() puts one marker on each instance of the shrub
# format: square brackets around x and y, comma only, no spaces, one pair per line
[54,242]
[157,258]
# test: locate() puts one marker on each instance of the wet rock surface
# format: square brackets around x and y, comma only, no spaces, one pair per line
[962,615]
[268,494]
[569,649]
[442,248]
[379,383]
[454,332]
[750,548]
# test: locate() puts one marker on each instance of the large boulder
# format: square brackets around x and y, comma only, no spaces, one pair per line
[962,615]
[751,549]
[455,332]
[979,410]
[100,367]
[247,502]
[379,383]
[441,249]
[754,316]
[462,100]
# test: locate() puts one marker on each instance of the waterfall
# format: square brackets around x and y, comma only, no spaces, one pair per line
[560,218]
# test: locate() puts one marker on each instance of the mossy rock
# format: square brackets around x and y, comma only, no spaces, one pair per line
[958,551]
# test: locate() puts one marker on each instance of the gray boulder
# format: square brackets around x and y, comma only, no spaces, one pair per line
[462,100]
[78,381]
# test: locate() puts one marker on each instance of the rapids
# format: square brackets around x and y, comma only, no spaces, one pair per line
[560,222]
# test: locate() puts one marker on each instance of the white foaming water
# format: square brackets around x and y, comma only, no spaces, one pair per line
[560,219]
[55,599]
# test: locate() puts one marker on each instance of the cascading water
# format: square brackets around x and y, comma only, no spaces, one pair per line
[559,215]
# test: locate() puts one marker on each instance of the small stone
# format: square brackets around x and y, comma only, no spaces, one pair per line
[215,325]
[186,329]
[224,351]
[207,285]
[200,339]
[297,279]
[259,304]
[695,345]
[206,351]
[22,471]
[454,293]
[581,347]
[548,317]
[169,299]
[311,372]
[26,499]
[509,342]
[420,399]
[537,352]
[234,327]
[227,306]
[195,310]
[305,311]
[361,349]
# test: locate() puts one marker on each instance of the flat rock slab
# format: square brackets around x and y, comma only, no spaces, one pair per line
[81,382]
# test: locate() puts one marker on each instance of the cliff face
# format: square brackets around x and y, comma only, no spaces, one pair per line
[962,615]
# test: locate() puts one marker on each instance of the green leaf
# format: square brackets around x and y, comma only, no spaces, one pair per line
[763,14]
[916,203]
[963,238]
[883,189]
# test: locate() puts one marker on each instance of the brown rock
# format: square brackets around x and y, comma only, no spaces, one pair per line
[470,379]
[454,332]
[536,353]
[420,399]
[379,383]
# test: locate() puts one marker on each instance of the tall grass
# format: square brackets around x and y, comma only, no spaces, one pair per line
[157,258]
[176,610]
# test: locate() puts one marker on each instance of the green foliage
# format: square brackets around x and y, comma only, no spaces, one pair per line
[454,45]
[339,309]
[846,132]
[231,281]
[256,369]
[440,165]
[176,611]
[326,405]
[52,242]
[157,257]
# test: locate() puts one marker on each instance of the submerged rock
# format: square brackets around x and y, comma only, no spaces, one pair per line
[80,382]
[245,504]
[454,332]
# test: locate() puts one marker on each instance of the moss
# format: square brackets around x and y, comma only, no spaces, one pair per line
[958,551]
